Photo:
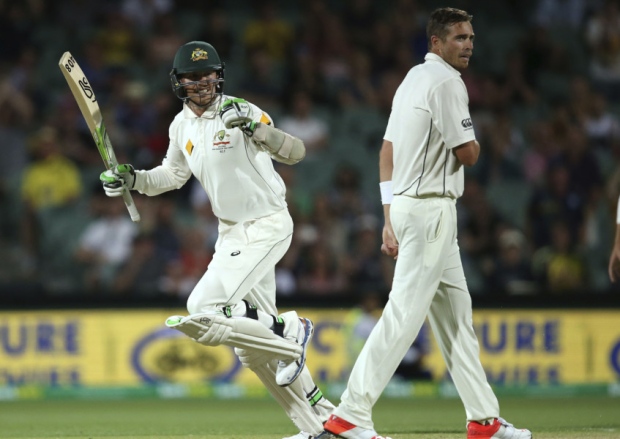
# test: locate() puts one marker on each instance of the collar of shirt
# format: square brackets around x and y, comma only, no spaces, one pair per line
[434,57]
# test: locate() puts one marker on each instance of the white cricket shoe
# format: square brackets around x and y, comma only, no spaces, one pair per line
[288,371]
[336,427]
[300,435]
[498,428]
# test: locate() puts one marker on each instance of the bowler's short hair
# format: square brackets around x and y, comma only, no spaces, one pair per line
[441,19]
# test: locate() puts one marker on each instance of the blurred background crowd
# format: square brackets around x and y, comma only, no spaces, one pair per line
[537,217]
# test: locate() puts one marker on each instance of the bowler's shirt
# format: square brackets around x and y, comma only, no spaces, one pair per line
[237,175]
[430,116]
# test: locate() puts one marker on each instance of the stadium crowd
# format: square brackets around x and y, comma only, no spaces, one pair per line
[537,216]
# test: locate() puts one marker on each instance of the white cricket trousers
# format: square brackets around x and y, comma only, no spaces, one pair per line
[243,265]
[428,280]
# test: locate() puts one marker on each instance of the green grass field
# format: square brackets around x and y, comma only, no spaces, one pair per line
[548,418]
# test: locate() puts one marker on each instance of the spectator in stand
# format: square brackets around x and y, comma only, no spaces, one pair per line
[382,48]
[359,89]
[388,84]
[183,273]
[364,266]
[540,54]
[117,39]
[259,84]
[304,66]
[41,188]
[603,38]
[163,41]
[218,31]
[560,266]
[302,123]
[166,231]
[16,113]
[515,85]
[360,16]
[584,172]
[560,13]
[544,147]
[145,13]
[580,98]
[321,271]
[346,197]
[16,24]
[136,116]
[506,144]
[481,226]
[106,243]
[326,223]
[512,271]
[334,55]
[407,18]
[553,202]
[601,125]
[141,274]
[269,32]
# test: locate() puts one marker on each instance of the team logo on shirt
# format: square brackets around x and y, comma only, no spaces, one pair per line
[221,141]
[467,123]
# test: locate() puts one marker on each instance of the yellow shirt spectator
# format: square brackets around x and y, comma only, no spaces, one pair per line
[51,182]
[269,33]
[51,179]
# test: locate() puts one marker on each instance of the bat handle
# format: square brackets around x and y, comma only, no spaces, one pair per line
[131,206]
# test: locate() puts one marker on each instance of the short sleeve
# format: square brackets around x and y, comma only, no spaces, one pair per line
[389,134]
[449,105]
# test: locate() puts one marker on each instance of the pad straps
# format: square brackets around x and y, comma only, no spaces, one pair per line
[278,326]
[251,312]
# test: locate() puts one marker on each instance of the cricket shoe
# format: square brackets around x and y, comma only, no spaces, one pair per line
[300,435]
[498,428]
[288,371]
[336,427]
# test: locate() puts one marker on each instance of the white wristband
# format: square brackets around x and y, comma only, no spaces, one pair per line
[387,193]
[618,212]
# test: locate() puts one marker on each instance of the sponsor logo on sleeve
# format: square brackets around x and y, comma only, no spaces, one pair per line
[467,124]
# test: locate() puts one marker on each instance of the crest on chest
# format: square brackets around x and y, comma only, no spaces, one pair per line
[221,141]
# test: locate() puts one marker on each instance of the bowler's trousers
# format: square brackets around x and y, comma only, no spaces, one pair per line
[428,280]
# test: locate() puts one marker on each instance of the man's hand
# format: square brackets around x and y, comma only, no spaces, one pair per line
[116,180]
[236,113]
[390,244]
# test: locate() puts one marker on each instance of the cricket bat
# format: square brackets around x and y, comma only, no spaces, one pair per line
[85,97]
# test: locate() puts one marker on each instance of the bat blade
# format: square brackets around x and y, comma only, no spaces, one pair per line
[87,101]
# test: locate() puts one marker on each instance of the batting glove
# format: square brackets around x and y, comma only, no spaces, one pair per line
[235,112]
[116,180]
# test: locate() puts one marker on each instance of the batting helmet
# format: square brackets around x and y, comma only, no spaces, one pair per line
[196,56]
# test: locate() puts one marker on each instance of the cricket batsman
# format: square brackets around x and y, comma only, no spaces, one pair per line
[228,144]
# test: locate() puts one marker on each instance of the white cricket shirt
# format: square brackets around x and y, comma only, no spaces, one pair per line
[430,116]
[237,175]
